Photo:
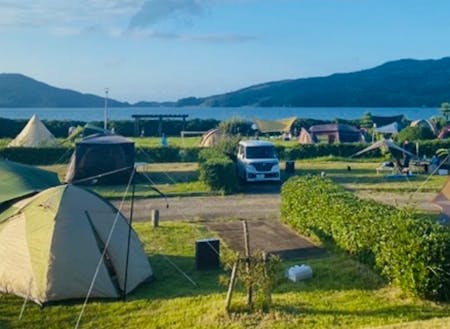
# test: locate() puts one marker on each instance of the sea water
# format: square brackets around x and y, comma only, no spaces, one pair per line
[218,113]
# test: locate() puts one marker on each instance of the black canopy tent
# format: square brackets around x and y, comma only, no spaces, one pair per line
[108,159]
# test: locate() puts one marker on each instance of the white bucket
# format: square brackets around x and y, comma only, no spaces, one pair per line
[297,273]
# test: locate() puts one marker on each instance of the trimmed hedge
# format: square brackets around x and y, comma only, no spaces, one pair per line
[9,128]
[177,154]
[61,155]
[37,156]
[413,253]
[218,171]
[167,154]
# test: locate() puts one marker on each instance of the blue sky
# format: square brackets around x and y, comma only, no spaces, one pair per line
[170,49]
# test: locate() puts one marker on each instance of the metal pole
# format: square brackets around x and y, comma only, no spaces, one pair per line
[129,240]
[105,112]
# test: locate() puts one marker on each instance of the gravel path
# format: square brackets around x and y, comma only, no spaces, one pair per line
[242,206]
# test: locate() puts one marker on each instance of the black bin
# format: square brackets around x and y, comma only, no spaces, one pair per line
[290,167]
[207,254]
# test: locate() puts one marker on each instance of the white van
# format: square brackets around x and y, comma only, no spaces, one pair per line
[257,161]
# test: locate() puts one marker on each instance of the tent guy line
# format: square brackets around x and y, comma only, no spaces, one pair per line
[100,261]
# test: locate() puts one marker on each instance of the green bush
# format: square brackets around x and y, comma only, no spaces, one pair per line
[218,171]
[413,134]
[37,156]
[413,253]
[9,128]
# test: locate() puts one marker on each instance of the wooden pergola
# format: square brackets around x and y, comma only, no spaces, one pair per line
[159,117]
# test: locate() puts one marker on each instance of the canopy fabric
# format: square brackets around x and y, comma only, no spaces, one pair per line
[211,138]
[424,123]
[34,134]
[51,246]
[442,201]
[18,180]
[382,120]
[282,125]
[392,128]
[383,143]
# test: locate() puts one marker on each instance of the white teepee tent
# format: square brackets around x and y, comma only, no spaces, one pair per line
[34,134]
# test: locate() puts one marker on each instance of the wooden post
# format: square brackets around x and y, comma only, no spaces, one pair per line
[267,286]
[155,217]
[247,263]
[231,285]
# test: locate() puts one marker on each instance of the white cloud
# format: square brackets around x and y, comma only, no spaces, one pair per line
[153,11]
[204,38]
[50,13]
[116,18]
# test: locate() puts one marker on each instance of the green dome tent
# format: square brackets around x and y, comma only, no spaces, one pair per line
[52,244]
[18,180]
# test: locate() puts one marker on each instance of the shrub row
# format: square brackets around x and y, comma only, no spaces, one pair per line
[37,156]
[413,253]
[61,155]
[178,154]
[9,128]
[217,171]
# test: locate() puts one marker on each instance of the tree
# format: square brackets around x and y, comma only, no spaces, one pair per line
[415,134]
[367,121]
[445,110]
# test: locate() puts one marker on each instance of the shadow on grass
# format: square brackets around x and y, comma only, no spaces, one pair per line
[176,276]
[405,312]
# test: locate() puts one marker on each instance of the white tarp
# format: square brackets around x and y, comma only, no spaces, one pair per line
[383,143]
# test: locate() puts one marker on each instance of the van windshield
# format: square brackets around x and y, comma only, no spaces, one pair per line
[260,152]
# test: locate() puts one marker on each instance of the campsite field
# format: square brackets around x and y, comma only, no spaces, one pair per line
[342,294]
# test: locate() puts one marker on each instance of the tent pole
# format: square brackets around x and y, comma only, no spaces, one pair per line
[129,237]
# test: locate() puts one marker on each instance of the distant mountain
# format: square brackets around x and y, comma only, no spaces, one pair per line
[402,83]
[17,90]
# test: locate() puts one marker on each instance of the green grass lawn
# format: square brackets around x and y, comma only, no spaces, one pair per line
[185,142]
[363,176]
[181,179]
[5,141]
[341,294]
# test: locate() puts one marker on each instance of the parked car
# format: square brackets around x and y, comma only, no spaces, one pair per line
[257,161]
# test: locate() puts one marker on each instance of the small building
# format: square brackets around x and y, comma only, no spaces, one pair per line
[335,133]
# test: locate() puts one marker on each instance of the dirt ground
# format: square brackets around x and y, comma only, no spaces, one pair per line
[266,235]
[422,201]
[257,202]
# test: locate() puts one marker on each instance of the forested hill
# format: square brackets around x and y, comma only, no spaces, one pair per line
[18,90]
[402,83]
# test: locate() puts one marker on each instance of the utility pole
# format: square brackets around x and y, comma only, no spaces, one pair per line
[105,112]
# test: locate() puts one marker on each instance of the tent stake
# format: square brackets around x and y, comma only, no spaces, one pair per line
[23,308]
